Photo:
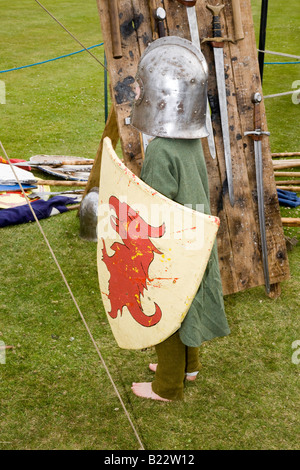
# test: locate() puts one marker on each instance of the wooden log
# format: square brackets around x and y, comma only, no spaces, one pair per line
[111,131]
[275,291]
[287,173]
[291,160]
[286,154]
[281,164]
[236,274]
[287,182]
[62,183]
[242,80]
[73,207]
[135,31]
[239,243]
[290,222]
[55,163]
[296,189]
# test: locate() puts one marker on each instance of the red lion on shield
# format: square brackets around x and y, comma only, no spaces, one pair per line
[129,265]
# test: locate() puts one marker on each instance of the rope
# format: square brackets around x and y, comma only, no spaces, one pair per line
[283,94]
[50,60]
[74,300]
[280,54]
[98,45]
[69,32]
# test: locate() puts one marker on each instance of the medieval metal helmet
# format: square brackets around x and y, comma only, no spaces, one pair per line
[88,215]
[171,96]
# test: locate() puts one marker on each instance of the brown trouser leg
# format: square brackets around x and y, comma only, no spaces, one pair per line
[192,360]
[174,360]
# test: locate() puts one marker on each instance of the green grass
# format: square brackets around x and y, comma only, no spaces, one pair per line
[54,391]
[282,36]
[56,107]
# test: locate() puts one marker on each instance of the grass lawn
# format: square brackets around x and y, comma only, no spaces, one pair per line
[54,391]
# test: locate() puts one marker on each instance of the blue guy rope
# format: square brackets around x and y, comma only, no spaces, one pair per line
[50,60]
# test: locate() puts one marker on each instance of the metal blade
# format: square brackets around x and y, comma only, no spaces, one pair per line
[261,210]
[210,137]
[192,17]
[193,25]
[220,74]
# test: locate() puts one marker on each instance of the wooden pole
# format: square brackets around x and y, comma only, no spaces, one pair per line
[286,154]
[236,223]
[290,222]
[237,19]
[262,36]
[280,165]
[115,28]
[287,173]
[296,189]
[111,131]
[62,183]
[292,182]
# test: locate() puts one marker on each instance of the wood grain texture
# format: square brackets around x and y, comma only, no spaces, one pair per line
[111,131]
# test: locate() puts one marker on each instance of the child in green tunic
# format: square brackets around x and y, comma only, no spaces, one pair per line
[176,168]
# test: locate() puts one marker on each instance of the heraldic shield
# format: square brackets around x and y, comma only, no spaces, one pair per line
[152,254]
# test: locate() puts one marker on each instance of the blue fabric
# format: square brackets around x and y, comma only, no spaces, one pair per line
[42,209]
[15,187]
[288,198]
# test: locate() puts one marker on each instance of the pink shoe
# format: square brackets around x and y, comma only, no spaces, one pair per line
[190,376]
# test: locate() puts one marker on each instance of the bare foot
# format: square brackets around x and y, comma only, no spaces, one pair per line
[144,390]
[152,367]
[188,376]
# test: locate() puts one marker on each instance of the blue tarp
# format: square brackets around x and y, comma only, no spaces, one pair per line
[42,209]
